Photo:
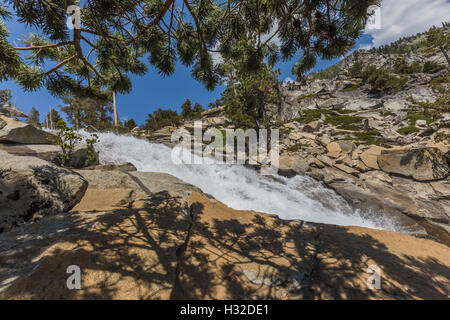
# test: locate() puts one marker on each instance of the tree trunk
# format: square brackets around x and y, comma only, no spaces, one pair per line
[444,51]
[77,119]
[116,116]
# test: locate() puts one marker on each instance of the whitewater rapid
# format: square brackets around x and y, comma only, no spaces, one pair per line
[241,188]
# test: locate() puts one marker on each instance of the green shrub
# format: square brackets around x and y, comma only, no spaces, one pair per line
[408,130]
[382,81]
[436,82]
[430,111]
[66,138]
[296,147]
[285,131]
[311,115]
[402,67]
[353,87]
[414,116]
[327,74]
[305,96]
[387,113]
[432,67]
[343,120]
[356,69]
[91,152]
[370,137]
[416,67]
[442,137]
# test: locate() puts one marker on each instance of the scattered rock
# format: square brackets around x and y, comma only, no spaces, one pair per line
[334,150]
[326,160]
[291,166]
[312,127]
[345,159]
[295,136]
[370,157]
[346,169]
[421,123]
[18,132]
[347,146]
[312,161]
[361,166]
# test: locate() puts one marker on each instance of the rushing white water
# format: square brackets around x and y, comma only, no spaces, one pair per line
[241,188]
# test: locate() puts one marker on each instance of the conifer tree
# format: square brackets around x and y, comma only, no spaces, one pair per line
[186,109]
[130,124]
[87,112]
[115,37]
[198,109]
[33,118]
[439,38]
[51,119]
[5,96]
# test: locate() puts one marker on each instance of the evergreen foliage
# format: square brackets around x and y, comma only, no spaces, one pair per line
[87,113]
[116,37]
[439,38]
[51,119]
[382,81]
[5,96]
[189,113]
[247,100]
[402,67]
[130,124]
[33,118]
[356,69]
[162,118]
[432,67]
[67,138]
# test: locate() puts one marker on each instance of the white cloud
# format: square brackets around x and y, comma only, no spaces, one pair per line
[288,80]
[400,18]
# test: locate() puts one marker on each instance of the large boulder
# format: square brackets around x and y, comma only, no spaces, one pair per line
[15,131]
[421,164]
[370,157]
[31,188]
[290,166]
[52,153]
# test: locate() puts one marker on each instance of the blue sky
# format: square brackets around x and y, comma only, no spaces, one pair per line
[153,91]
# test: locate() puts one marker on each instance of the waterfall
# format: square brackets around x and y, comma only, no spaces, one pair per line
[241,188]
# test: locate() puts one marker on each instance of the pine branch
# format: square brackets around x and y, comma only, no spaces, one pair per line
[60,65]
[43,46]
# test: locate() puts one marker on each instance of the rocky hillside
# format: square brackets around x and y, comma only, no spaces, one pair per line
[375,128]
